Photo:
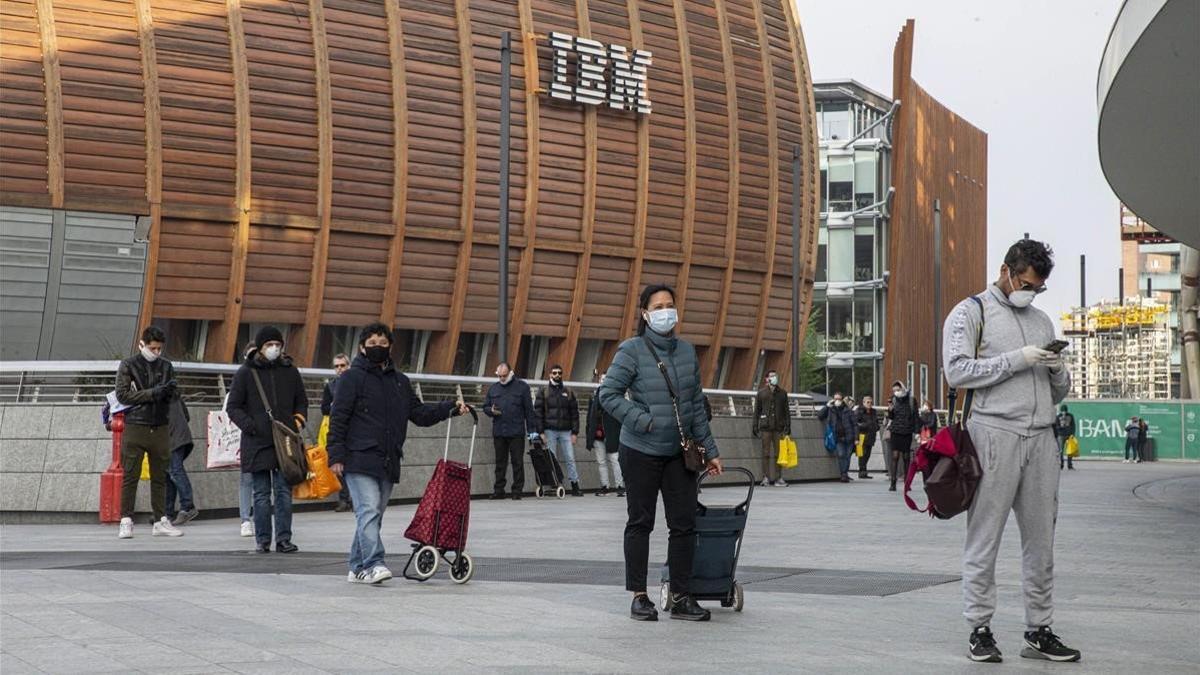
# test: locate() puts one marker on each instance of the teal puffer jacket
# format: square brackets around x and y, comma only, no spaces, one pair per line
[647,418]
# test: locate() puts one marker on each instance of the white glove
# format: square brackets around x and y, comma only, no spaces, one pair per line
[1054,363]
[1036,356]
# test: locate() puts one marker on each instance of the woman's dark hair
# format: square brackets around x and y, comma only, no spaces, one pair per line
[1029,253]
[153,334]
[376,328]
[644,301]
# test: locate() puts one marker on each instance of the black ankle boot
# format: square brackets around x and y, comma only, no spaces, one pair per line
[684,608]
[642,609]
[575,491]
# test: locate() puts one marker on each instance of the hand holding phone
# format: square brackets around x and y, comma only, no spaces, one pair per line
[1057,346]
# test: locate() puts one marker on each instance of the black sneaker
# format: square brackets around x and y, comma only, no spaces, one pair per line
[620,492]
[497,495]
[684,608]
[602,491]
[982,646]
[516,496]
[1044,644]
[575,491]
[642,609]
[286,547]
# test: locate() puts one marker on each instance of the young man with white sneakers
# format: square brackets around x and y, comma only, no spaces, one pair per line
[996,344]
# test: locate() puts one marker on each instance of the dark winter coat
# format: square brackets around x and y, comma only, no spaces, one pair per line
[284,389]
[771,412]
[867,421]
[327,395]
[647,417]
[843,420]
[140,384]
[1064,425]
[514,401]
[181,435]
[372,407]
[599,418]
[903,414]
[556,409]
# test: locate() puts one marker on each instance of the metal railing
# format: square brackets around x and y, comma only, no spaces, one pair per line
[50,382]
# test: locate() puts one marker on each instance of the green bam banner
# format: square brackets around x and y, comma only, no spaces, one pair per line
[1174,427]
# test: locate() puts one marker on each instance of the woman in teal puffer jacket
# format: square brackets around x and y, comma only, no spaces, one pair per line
[651,454]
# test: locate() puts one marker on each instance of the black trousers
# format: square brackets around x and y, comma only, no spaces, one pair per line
[866,456]
[646,476]
[510,448]
[901,456]
[137,441]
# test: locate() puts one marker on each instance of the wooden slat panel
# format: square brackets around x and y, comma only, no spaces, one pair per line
[193,271]
[533,159]
[399,214]
[641,197]
[23,102]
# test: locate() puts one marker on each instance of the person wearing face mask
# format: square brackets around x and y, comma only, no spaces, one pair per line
[509,403]
[373,404]
[651,453]
[146,381]
[868,427]
[928,420]
[994,346]
[772,420]
[837,415]
[604,439]
[284,390]
[557,413]
[903,422]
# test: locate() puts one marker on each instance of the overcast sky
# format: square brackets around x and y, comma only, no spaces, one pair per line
[1023,71]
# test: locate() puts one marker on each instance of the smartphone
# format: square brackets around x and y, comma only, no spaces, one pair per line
[1057,346]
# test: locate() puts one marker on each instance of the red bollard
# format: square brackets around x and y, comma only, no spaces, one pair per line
[110,480]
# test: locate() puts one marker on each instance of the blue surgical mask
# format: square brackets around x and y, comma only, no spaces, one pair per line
[662,321]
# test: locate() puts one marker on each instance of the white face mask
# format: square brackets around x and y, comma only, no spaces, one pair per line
[662,321]
[271,353]
[924,408]
[1020,299]
[900,392]
[838,402]
[147,353]
[773,381]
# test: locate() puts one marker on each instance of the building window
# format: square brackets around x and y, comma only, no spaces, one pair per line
[841,183]
[822,271]
[587,354]
[724,365]
[835,121]
[841,380]
[864,379]
[471,357]
[186,338]
[841,325]
[841,254]
[924,383]
[824,181]
[865,171]
[909,382]
[864,253]
[864,321]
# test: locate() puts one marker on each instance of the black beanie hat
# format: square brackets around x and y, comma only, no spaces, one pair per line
[267,334]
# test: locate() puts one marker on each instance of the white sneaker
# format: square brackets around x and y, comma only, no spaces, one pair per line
[1124,461]
[164,528]
[358,577]
[125,531]
[378,574]
[247,528]
[766,482]
[781,483]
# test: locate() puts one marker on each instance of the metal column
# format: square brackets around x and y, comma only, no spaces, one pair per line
[505,123]
[796,269]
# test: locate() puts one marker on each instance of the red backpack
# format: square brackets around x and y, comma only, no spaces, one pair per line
[948,462]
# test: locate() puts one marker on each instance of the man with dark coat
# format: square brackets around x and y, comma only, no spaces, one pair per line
[372,406]
[772,421]
[557,412]
[179,486]
[867,420]
[840,418]
[510,405]
[285,396]
[604,439]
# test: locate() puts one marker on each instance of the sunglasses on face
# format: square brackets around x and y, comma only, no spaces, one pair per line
[341,366]
[556,372]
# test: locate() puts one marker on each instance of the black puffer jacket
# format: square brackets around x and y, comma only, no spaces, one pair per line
[842,419]
[140,384]
[903,414]
[868,420]
[289,404]
[557,409]
[599,418]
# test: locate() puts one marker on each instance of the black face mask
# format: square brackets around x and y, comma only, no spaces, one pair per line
[376,354]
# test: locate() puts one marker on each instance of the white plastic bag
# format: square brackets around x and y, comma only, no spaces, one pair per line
[224,441]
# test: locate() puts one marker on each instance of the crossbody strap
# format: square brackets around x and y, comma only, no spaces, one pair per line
[662,368]
[966,412]
[262,393]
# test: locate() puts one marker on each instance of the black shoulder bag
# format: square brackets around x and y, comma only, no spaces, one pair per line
[695,457]
[289,447]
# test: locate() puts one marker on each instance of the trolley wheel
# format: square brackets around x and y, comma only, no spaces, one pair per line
[425,562]
[561,492]
[537,492]
[665,597]
[739,597]
[462,569]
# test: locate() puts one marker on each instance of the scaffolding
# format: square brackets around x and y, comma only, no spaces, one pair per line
[1119,350]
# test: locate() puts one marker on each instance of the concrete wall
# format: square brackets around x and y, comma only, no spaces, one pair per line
[51,458]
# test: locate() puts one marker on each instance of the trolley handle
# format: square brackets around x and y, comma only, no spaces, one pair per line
[749,474]
[474,431]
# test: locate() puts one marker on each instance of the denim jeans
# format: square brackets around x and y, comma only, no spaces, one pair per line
[370,496]
[245,495]
[562,439]
[266,483]
[178,483]
[844,450]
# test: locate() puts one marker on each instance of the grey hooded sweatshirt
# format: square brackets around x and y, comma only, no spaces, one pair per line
[1008,394]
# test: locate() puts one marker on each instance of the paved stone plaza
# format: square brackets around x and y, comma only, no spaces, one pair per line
[839,578]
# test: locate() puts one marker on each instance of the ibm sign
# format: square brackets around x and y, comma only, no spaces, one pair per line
[590,72]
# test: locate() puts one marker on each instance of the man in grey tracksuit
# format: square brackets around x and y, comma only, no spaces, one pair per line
[1017,384]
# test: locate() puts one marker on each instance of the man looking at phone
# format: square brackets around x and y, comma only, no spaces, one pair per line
[996,344]
[510,405]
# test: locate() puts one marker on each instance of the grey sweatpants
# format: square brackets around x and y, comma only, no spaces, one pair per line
[1020,474]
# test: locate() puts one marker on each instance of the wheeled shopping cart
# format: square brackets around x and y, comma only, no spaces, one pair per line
[439,527]
[719,531]
[547,472]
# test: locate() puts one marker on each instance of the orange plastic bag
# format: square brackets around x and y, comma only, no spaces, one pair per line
[321,482]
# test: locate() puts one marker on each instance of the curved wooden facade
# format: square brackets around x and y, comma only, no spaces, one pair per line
[334,162]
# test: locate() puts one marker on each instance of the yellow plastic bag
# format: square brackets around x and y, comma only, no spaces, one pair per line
[321,482]
[858,447]
[787,453]
[145,467]
[1071,446]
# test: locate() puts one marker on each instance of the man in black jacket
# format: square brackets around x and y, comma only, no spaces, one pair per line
[557,412]
[341,363]
[868,428]
[146,381]
[284,392]
[603,437]
[372,406]
[903,422]
[510,405]
[772,421]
